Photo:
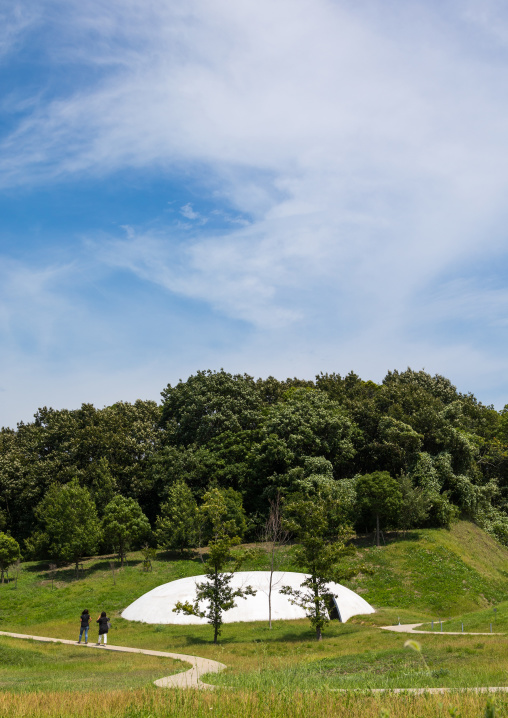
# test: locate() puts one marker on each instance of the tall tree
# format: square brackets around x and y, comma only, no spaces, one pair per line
[321,553]
[176,525]
[208,404]
[70,527]
[312,425]
[379,497]
[275,536]
[216,592]
[124,524]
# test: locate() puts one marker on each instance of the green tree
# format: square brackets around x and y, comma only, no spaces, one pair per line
[311,424]
[175,528]
[379,497]
[124,524]
[103,485]
[220,565]
[208,404]
[321,553]
[231,511]
[70,527]
[9,552]
[59,446]
[415,505]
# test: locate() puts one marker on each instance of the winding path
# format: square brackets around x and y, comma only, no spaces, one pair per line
[200,666]
[187,679]
[411,628]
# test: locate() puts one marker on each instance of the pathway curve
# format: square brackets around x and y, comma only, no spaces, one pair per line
[187,679]
[200,666]
[410,628]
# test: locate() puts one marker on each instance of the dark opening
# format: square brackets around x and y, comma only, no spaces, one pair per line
[333,608]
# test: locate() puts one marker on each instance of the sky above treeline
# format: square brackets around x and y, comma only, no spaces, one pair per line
[274,187]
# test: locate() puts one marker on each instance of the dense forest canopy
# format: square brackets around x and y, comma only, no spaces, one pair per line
[447,452]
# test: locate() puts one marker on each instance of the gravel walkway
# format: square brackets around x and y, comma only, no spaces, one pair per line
[187,679]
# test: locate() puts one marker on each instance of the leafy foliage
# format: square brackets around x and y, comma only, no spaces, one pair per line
[320,553]
[216,592]
[260,438]
[379,497]
[9,552]
[176,526]
[70,527]
[124,524]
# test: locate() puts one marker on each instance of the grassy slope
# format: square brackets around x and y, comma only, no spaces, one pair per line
[430,574]
[435,573]
[63,667]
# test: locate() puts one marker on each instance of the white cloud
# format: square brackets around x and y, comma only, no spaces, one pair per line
[15,19]
[188,212]
[367,144]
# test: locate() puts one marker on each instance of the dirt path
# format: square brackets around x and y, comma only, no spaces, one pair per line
[410,628]
[188,679]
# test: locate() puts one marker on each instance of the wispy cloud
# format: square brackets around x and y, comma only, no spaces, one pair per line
[355,153]
[16,18]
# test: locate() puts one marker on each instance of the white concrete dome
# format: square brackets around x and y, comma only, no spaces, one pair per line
[157,605]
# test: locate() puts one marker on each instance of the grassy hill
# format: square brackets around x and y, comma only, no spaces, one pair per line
[432,573]
[436,572]
[427,575]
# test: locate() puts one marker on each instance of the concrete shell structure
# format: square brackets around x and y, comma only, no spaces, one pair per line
[157,605]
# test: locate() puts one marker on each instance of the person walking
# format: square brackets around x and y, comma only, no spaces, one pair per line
[104,626]
[85,625]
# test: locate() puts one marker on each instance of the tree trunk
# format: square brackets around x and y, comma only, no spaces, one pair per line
[216,598]
[377,531]
[319,636]
[270,588]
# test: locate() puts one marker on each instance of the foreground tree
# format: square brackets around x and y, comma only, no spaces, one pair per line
[70,528]
[321,553]
[9,553]
[124,524]
[216,592]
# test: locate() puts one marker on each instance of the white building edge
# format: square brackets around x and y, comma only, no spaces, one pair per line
[157,605]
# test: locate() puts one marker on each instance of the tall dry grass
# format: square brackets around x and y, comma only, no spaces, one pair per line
[243,704]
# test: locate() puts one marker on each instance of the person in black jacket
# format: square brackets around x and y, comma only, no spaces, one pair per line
[104,624]
[85,625]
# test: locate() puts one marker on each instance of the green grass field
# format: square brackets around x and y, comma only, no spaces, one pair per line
[459,575]
[68,668]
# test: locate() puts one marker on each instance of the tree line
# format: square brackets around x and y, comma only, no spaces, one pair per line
[409,452]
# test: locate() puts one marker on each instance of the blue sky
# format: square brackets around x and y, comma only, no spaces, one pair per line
[270,186]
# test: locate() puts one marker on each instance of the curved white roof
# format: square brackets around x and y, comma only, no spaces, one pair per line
[157,605]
